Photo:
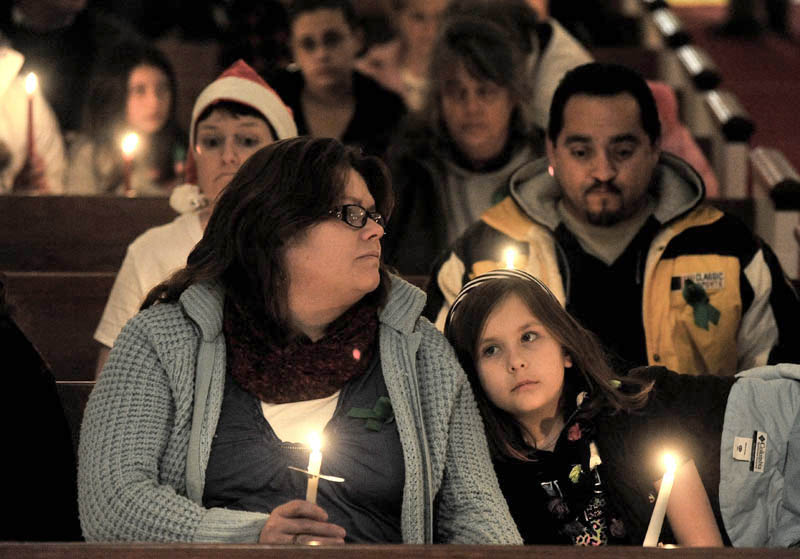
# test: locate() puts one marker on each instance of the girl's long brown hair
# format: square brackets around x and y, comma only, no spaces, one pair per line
[590,370]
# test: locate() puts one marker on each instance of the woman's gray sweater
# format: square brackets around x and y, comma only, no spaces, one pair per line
[147,430]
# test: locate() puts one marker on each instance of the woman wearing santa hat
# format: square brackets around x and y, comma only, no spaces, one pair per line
[233,117]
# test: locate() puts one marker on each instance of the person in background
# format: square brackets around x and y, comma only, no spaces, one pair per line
[549,50]
[577,445]
[232,118]
[452,161]
[23,172]
[133,90]
[328,97]
[39,460]
[620,232]
[284,323]
[61,41]
[401,64]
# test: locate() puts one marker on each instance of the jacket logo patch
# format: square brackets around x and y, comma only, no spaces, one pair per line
[708,280]
[758,456]
[704,311]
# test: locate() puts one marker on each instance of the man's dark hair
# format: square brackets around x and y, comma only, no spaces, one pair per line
[299,7]
[604,80]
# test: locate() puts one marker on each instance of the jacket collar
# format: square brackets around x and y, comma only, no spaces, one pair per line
[677,186]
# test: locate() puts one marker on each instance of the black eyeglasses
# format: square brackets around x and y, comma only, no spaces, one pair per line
[356,216]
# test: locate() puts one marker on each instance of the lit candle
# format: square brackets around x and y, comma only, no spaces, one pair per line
[314,463]
[31,82]
[654,528]
[129,143]
[510,255]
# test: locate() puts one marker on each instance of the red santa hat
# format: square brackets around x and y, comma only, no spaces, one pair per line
[241,84]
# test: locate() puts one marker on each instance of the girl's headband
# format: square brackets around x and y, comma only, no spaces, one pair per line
[502,273]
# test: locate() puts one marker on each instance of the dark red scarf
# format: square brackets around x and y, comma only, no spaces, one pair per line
[301,370]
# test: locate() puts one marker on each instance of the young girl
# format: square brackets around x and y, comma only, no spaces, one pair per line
[134,91]
[576,449]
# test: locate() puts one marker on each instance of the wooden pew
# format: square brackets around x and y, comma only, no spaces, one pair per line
[730,142]
[59,311]
[73,233]
[776,193]
[254,551]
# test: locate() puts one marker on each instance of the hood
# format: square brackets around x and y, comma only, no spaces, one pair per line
[536,192]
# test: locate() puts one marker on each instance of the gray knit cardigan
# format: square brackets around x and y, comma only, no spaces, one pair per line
[148,426]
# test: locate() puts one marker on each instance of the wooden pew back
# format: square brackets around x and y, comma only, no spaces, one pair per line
[73,233]
[59,311]
[254,551]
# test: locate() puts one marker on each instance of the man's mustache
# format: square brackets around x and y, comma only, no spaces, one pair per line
[610,186]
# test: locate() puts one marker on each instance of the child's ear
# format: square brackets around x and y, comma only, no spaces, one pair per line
[567,360]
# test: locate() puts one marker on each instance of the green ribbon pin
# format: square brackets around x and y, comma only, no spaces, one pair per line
[380,414]
[704,311]
[575,473]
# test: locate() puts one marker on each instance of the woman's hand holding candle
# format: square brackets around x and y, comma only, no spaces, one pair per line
[300,522]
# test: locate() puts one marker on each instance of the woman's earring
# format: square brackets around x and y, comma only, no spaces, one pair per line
[551,171]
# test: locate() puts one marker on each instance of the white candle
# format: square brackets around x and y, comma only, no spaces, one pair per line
[129,143]
[314,463]
[654,528]
[31,82]
[510,255]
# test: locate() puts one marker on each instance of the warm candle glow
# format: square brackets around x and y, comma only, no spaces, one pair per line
[315,441]
[314,464]
[670,463]
[660,508]
[30,83]
[510,255]
[129,143]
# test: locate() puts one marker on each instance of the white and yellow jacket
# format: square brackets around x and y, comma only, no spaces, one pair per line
[697,244]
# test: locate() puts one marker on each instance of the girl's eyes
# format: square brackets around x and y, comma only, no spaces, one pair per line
[529,336]
[489,351]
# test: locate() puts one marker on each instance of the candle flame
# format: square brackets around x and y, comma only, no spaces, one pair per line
[30,83]
[129,143]
[315,441]
[670,462]
[510,255]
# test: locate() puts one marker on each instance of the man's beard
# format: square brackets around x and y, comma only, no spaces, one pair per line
[605,217]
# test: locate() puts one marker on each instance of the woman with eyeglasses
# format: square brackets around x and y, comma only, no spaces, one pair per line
[328,97]
[285,323]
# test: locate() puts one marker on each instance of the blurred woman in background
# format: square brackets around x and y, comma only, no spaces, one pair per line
[133,90]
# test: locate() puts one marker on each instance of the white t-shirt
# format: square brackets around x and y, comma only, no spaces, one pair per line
[150,259]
